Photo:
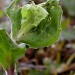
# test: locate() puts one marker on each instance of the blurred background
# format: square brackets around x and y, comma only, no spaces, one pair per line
[59,58]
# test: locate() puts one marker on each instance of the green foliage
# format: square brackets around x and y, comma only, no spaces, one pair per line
[32,15]
[47,31]
[14,13]
[36,25]
[9,51]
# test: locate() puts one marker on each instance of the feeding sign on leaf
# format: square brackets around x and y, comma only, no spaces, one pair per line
[36,25]
[32,15]
[47,30]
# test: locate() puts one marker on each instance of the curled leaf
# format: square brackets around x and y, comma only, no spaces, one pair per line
[48,30]
[32,15]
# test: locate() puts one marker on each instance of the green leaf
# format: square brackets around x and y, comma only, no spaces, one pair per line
[9,51]
[48,30]
[14,14]
[32,15]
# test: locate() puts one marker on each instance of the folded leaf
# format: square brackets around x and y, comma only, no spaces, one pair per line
[32,15]
[48,30]
[9,51]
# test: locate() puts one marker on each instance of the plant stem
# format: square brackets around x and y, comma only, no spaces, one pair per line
[10,71]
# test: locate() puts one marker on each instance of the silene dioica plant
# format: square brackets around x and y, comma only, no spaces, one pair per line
[35,26]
